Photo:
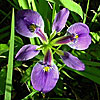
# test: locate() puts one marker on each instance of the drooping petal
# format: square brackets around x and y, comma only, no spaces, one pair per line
[82,31]
[24,19]
[44,81]
[60,20]
[72,61]
[27,52]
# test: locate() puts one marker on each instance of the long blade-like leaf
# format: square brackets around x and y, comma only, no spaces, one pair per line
[71,5]
[10,62]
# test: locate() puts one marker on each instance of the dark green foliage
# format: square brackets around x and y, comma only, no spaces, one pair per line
[72,84]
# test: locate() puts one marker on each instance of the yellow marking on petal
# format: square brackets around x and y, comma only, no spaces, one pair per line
[46,69]
[33,27]
[76,36]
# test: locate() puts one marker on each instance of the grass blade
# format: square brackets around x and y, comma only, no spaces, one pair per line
[10,62]
[86,11]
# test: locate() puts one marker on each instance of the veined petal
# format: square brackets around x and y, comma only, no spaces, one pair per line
[27,52]
[24,19]
[72,61]
[60,20]
[83,40]
[44,81]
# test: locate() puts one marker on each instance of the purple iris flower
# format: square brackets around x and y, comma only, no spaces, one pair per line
[30,24]
[81,38]
[77,37]
[45,73]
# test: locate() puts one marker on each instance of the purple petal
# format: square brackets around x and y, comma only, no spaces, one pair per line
[60,20]
[82,43]
[48,58]
[27,52]
[72,61]
[65,39]
[84,40]
[41,34]
[24,19]
[79,28]
[44,81]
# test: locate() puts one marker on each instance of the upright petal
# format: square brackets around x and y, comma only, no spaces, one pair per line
[24,19]
[83,40]
[48,58]
[60,20]
[44,81]
[72,61]
[27,52]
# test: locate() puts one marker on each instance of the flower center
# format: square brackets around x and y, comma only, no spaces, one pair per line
[46,69]
[32,27]
[76,36]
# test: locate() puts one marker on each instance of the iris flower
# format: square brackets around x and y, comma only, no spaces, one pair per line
[45,73]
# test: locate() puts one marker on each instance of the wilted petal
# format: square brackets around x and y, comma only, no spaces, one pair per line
[42,80]
[24,19]
[82,31]
[60,20]
[27,52]
[72,61]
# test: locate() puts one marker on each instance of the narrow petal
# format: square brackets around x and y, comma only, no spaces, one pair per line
[72,61]
[41,34]
[27,52]
[48,58]
[82,31]
[60,20]
[65,39]
[44,81]
[24,19]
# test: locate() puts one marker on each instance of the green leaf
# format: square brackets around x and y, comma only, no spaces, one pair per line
[23,4]
[18,40]
[3,80]
[96,36]
[10,61]
[27,74]
[90,73]
[91,63]
[30,95]
[71,5]
[45,12]
[5,29]
[3,48]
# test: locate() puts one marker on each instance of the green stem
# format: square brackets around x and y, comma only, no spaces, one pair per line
[86,12]
[94,17]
